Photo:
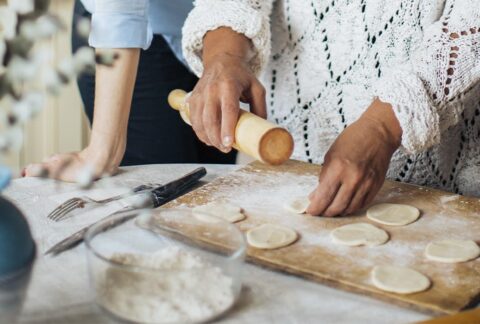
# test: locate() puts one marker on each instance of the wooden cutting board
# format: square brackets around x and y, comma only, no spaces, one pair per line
[262,190]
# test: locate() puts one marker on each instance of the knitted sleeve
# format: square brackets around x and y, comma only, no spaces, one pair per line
[248,17]
[425,92]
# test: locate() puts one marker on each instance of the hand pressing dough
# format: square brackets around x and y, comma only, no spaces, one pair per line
[209,212]
[452,251]
[393,214]
[359,234]
[271,236]
[298,205]
[399,279]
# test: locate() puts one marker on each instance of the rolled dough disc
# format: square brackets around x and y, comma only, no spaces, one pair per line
[393,214]
[452,251]
[359,234]
[298,205]
[210,212]
[399,280]
[271,236]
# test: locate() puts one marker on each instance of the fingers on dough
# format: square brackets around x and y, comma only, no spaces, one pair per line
[271,236]
[359,234]
[393,214]
[399,280]
[452,251]
[297,205]
[211,212]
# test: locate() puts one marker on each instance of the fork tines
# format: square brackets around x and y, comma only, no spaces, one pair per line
[62,211]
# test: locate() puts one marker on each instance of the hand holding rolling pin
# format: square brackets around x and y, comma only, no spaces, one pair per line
[355,165]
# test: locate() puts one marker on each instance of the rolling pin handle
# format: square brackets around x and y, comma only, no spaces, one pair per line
[176,99]
[254,136]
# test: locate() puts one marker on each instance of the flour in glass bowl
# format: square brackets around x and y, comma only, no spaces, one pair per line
[181,287]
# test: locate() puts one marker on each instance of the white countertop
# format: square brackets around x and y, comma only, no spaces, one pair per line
[59,291]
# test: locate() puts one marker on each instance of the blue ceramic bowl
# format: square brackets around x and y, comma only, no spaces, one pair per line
[17,255]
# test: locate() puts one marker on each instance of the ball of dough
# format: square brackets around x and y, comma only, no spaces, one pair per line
[298,205]
[359,234]
[209,212]
[399,280]
[393,214]
[271,236]
[452,251]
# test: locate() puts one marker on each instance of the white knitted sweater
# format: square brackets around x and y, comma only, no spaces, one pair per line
[323,62]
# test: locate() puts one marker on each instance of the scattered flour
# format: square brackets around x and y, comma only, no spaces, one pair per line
[181,288]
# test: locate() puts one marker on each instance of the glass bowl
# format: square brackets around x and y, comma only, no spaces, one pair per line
[165,266]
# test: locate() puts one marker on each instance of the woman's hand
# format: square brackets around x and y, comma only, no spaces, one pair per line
[355,166]
[227,79]
[97,159]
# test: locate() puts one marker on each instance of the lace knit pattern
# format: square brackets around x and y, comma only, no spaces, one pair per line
[323,62]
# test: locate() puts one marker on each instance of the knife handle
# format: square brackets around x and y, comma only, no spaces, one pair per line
[254,135]
[173,189]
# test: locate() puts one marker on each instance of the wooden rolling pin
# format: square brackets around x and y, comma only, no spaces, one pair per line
[254,136]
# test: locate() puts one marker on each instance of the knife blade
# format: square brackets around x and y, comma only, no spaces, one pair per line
[156,198]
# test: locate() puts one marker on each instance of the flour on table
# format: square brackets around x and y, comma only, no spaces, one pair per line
[271,236]
[182,287]
[209,212]
[297,205]
[359,234]
[399,280]
[393,214]
[452,251]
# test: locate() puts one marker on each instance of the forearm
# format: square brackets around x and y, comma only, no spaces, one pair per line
[113,96]
[225,41]
[383,117]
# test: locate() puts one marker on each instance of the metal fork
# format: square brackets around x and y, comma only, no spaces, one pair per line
[62,211]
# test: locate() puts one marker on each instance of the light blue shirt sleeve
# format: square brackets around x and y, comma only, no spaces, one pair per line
[120,24]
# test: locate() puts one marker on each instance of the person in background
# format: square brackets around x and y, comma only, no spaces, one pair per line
[127,105]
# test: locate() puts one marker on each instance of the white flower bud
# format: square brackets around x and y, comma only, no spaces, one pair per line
[22,7]
[48,25]
[8,23]
[140,200]
[52,81]
[83,27]
[22,110]
[107,57]
[84,58]
[19,69]
[14,138]
[85,177]
[28,29]
[67,68]
[36,101]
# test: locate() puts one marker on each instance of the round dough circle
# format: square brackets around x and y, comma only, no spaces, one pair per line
[452,251]
[271,236]
[393,214]
[210,212]
[359,234]
[298,205]
[399,280]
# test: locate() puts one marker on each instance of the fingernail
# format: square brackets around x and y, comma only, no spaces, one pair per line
[227,141]
[224,149]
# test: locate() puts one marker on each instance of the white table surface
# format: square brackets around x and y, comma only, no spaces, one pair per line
[59,290]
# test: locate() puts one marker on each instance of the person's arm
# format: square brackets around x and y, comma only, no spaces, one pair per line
[121,25]
[226,43]
[113,95]
[416,101]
